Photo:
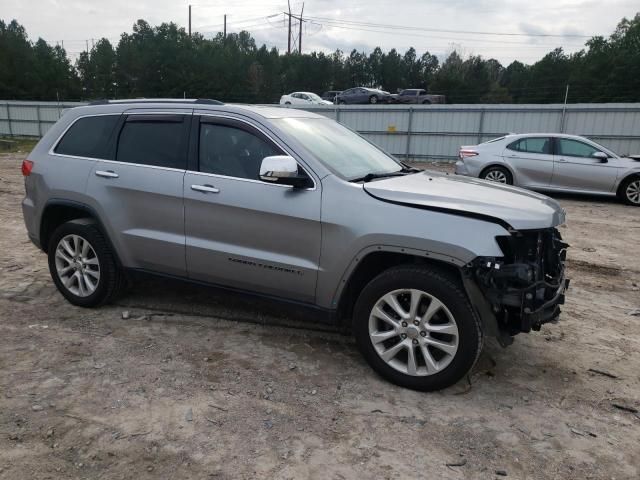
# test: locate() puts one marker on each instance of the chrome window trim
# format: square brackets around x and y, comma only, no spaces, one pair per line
[283,147]
[157,167]
[55,144]
[250,180]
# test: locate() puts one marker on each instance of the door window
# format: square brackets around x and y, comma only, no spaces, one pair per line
[233,151]
[574,148]
[541,145]
[89,137]
[154,140]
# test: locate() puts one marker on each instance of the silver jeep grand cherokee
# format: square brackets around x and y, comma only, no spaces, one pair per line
[291,205]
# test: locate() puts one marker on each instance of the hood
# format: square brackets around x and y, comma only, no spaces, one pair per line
[503,204]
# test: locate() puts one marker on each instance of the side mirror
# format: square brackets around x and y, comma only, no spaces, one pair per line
[282,169]
[603,157]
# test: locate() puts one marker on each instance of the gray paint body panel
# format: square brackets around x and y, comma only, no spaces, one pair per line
[298,244]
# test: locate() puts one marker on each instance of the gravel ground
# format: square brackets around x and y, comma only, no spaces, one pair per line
[194,383]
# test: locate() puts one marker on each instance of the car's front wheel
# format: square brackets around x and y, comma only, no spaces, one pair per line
[82,265]
[629,191]
[416,328]
[497,174]
[373,99]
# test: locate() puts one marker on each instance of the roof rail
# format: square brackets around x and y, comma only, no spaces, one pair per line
[200,101]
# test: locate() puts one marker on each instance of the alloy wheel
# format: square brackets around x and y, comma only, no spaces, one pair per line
[413,332]
[496,176]
[77,265]
[633,192]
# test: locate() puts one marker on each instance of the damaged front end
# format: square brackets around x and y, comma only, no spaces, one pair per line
[522,290]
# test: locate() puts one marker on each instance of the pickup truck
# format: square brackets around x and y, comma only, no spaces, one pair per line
[417,96]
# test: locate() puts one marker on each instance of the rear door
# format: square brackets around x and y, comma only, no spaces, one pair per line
[531,159]
[138,194]
[243,232]
[577,169]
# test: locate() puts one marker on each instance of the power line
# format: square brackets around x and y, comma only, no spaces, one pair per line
[467,32]
[330,24]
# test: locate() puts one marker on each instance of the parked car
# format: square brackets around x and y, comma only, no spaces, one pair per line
[331,95]
[553,162]
[291,205]
[361,95]
[303,98]
[417,96]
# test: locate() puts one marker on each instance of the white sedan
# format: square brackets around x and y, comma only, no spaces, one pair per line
[303,98]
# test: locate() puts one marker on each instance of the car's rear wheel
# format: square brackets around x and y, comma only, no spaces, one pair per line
[373,99]
[498,175]
[629,191]
[287,103]
[416,328]
[341,102]
[426,102]
[82,265]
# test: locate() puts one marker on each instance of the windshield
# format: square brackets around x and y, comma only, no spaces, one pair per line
[341,150]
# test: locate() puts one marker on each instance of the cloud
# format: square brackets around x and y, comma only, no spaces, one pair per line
[76,21]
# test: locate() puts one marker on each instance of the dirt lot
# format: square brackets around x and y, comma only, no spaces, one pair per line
[200,384]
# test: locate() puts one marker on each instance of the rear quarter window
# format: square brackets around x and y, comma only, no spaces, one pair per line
[89,137]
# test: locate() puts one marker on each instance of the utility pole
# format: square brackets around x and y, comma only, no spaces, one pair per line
[300,36]
[189,20]
[289,40]
[87,42]
[225,27]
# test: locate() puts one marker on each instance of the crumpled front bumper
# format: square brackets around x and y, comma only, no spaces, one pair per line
[540,303]
[523,290]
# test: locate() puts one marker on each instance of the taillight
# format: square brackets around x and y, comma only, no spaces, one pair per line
[464,153]
[27,166]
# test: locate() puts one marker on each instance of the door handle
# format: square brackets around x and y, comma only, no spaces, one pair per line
[205,188]
[562,160]
[106,173]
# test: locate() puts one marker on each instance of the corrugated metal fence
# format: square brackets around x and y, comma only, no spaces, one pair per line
[421,131]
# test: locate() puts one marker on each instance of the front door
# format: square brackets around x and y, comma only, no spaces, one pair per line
[577,169]
[138,194]
[240,231]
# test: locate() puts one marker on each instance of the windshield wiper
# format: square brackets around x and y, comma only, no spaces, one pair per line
[372,176]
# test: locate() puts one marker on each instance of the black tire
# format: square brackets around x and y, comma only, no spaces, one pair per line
[426,102]
[626,194]
[287,103]
[449,292]
[341,102]
[497,170]
[373,99]
[111,276]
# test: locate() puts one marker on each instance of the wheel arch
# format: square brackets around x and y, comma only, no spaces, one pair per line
[58,211]
[499,164]
[621,182]
[372,261]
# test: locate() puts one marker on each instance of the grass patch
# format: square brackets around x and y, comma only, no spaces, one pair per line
[17,144]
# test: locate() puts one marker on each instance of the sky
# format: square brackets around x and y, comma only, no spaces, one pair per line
[506,30]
